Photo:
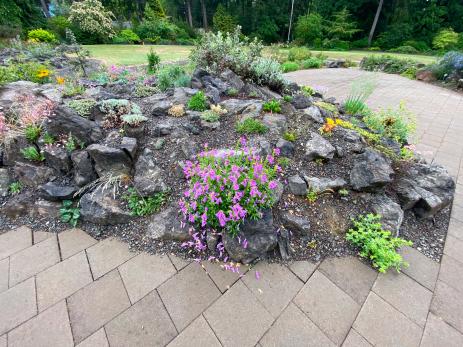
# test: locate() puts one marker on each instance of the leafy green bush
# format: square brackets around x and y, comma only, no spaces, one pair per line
[290,136]
[312,63]
[376,244]
[289,66]
[387,63]
[251,126]
[420,46]
[160,30]
[140,206]
[299,53]
[153,61]
[404,49]
[410,72]
[451,64]
[31,153]
[30,71]
[69,214]
[198,102]
[397,124]
[445,39]
[273,106]
[41,35]
[287,98]
[83,107]
[172,76]
[126,36]
[308,29]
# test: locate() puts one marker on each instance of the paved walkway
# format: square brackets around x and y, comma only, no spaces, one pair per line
[68,289]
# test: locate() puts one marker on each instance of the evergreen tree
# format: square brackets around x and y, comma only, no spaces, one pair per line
[154,10]
[342,27]
[223,21]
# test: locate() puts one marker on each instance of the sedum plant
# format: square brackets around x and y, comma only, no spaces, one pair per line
[133,120]
[198,102]
[225,187]
[251,126]
[272,106]
[376,244]
[83,107]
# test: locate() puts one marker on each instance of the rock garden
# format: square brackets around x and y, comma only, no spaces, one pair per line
[222,159]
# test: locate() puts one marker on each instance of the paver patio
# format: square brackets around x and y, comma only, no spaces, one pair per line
[70,290]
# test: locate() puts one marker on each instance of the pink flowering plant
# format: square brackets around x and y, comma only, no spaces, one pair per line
[228,186]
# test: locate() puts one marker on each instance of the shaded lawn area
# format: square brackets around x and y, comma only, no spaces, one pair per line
[136,54]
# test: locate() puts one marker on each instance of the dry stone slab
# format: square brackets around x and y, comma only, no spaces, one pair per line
[4,269]
[72,241]
[15,240]
[97,339]
[50,328]
[188,294]
[439,333]
[421,268]
[294,329]
[448,305]
[197,334]
[354,339]
[146,323]
[303,269]
[332,310]
[18,305]
[235,312]
[451,272]
[96,304]
[62,280]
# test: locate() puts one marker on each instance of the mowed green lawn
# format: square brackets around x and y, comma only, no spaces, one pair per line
[136,54]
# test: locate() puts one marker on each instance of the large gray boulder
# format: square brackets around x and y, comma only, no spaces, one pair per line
[148,175]
[296,224]
[318,147]
[426,189]
[301,101]
[313,113]
[12,145]
[65,121]
[321,184]
[58,159]
[166,225]
[32,175]
[275,122]
[100,207]
[5,181]
[110,160]
[56,192]
[254,240]
[297,185]
[391,214]
[83,168]
[371,171]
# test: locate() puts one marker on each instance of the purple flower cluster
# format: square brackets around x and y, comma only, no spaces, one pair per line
[228,186]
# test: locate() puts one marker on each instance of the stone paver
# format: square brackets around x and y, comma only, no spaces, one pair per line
[144,273]
[438,333]
[14,241]
[188,294]
[351,275]
[451,272]
[146,323]
[222,278]
[354,339]
[72,241]
[178,262]
[50,328]
[32,260]
[382,325]
[197,334]
[303,269]
[40,236]
[4,274]
[454,248]
[331,309]
[448,304]
[275,288]
[237,318]
[106,255]
[96,304]
[405,295]
[421,268]
[17,304]
[456,229]
[294,329]
[3,341]
[97,339]
[62,280]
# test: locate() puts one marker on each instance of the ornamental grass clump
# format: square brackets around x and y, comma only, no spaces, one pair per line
[228,186]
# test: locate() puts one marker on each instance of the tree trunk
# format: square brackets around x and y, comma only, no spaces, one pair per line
[375,22]
[45,8]
[203,10]
[291,20]
[188,13]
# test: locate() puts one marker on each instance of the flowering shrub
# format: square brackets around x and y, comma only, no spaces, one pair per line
[227,186]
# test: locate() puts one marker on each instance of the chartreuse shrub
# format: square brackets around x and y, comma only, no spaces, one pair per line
[376,244]
[273,106]
[289,66]
[251,126]
[198,102]
[143,206]
[299,53]
[41,35]
[126,36]
[69,213]
[225,187]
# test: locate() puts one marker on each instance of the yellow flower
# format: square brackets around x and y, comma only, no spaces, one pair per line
[328,126]
[43,73]
[60,80]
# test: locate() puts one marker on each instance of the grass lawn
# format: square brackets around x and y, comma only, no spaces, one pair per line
[136,54]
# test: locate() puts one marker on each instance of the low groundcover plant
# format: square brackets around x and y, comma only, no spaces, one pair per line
[228,186]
